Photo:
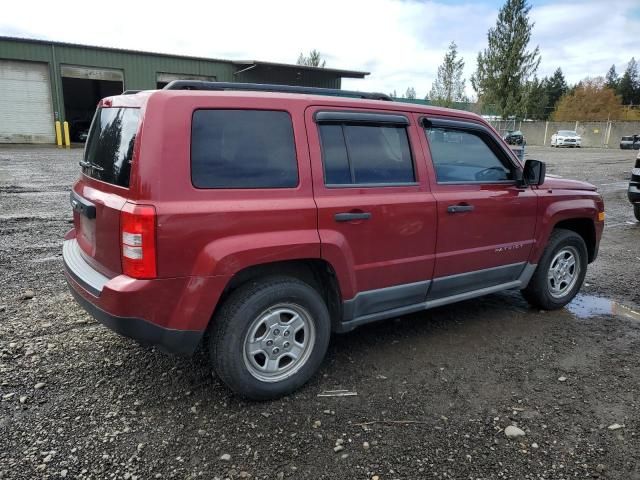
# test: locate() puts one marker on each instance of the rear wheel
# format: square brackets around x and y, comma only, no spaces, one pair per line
[560,273]
[636,210]
[269,337]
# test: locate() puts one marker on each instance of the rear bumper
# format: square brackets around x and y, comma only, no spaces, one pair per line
[182,342]
[171,313]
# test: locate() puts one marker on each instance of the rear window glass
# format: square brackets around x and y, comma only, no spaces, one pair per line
[109,149]
[243,149]
[366,154]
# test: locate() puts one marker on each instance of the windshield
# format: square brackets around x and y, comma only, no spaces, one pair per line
[109,149]
[567,133]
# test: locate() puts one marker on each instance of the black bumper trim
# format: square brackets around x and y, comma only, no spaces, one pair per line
[634,192]
[181,342]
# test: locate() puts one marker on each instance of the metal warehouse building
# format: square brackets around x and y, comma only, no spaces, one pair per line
[42,82]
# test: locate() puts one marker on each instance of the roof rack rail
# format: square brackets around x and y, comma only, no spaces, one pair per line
[131,92]
[264,87]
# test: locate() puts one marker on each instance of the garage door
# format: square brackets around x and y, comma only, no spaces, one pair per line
[26,113]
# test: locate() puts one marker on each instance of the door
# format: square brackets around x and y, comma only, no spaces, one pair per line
[486,221]
[26,109]
[376,217]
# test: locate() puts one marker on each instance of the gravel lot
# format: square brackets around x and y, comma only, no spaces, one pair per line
[435,390]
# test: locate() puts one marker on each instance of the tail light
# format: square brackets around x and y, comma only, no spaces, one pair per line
[138,240]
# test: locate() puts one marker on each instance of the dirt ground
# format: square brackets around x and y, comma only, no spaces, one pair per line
[435,390]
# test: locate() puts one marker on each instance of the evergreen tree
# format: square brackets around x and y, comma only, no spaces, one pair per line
[555,86]
[629,86]
[505,65]
[313,60]
[410,93]
[611,80]
[537,99]
[449,85]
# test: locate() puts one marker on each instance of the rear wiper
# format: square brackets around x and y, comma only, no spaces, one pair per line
[84,164]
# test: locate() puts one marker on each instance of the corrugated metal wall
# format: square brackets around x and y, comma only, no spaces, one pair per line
[289,76]
[140,69]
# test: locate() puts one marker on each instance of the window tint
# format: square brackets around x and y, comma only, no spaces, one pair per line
[242,149]
[109,149]
[461,156]
[365,154]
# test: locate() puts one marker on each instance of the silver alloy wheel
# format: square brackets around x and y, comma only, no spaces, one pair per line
[279,342]
[564,272]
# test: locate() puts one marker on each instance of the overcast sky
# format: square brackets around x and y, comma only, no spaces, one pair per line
[400,42]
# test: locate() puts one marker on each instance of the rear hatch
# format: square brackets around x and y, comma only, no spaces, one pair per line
[100,194]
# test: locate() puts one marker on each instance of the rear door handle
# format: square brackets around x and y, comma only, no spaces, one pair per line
[460,208]
[351,216]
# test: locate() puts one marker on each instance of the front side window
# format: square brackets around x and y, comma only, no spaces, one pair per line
[243,149]
[355,154]
[464,156]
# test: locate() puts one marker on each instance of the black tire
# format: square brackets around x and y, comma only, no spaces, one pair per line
[538,292]
[636,211]
[231,326]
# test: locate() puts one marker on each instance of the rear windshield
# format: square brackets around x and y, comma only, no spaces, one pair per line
[109,149]
[627,138]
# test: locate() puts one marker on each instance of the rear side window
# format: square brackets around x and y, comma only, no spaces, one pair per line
[109,148]
[243,149]
[366,154]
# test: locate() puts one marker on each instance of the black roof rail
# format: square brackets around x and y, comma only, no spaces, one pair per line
[265,87]
[131,92]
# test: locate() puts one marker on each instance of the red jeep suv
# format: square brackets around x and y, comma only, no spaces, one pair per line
[255,220]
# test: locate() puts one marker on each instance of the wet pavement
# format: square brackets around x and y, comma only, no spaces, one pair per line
[434,390]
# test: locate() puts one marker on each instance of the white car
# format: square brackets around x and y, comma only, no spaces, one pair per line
[566,138]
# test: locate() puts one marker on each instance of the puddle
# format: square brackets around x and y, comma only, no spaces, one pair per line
[587,306]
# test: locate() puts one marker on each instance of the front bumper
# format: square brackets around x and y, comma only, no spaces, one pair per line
[634,186]
[171,313]
[565,143]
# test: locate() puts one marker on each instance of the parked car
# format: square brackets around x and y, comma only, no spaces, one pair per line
[629,142]
[514,138]
[79,130]
[566,138]
[634,188]
[256,223]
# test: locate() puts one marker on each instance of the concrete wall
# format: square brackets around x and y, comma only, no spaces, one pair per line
[594,134]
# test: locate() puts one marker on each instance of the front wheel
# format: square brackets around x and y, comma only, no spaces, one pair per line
[269,337]
[560,272]
[636,210]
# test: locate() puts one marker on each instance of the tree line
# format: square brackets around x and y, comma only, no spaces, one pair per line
[506,81]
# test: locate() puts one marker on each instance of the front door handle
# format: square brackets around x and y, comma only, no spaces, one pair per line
[460,208]
[351,216]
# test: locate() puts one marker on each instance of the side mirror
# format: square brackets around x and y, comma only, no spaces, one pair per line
[534,172]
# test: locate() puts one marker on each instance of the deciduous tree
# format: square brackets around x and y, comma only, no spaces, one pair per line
[591,100]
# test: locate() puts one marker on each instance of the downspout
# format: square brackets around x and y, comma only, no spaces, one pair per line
[59,112]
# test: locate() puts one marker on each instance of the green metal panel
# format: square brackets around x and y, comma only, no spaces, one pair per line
[140,69]
[288,76]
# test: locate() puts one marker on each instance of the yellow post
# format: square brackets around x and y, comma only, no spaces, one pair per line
[67,140]
[58,134]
